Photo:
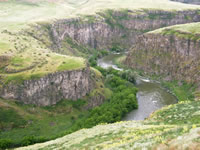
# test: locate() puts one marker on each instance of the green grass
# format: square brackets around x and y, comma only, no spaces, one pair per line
[185,112]
[19,121]
[26,51]
[122,135]
[20,78]
[187,31]
[70,64]
[47,65]
[187,28]
[9,118]
[16,14]
[183,92]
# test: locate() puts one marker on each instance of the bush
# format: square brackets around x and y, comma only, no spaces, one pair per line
[77,104]
[93,61]
[32,140]
[116,48]
[123,101]
[5,143]
[129,76]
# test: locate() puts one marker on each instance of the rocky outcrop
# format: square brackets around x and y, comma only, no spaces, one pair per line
[188,1]
[171,56]
[114,29]
[51,88]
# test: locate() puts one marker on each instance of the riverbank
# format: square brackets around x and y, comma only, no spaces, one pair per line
[181,90]
[151,95]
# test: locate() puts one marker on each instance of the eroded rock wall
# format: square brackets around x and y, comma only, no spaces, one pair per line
[173,57]
[51,88]
[115,28]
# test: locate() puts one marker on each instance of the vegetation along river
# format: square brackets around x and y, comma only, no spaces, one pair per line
[151,96]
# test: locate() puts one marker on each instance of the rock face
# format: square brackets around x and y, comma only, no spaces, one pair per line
[171,56]
[114,29]
[188,1]
[50,89]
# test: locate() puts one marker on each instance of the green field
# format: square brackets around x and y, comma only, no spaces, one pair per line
[17,14]
[187,31]
[20,122]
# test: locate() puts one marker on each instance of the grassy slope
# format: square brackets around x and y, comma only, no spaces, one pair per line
[193,28]
[175,126]
[188,31]
[28,120]
[29,58]
[21,12]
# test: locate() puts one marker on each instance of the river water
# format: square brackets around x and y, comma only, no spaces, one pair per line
[151,96]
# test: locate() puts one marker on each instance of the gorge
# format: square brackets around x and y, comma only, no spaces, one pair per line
[53,81]
[151,96]
[115,30]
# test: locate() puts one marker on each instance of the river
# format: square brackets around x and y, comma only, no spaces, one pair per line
[151,96]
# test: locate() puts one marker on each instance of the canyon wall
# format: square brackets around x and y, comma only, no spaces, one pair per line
[115,29]
[51,88]
[171,56]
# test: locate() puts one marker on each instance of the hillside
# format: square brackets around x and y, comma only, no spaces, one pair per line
[23,12]
[174,127]
[51,86]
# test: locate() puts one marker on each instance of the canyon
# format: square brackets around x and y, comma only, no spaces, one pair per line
[117,30]
[107,30]
[51,83]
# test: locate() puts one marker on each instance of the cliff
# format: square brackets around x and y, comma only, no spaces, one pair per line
[109,29]
[173,54]
[50,89]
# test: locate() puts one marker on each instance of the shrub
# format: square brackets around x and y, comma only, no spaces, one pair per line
[5,143]
[77,104]
[93,61]
[32,140]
